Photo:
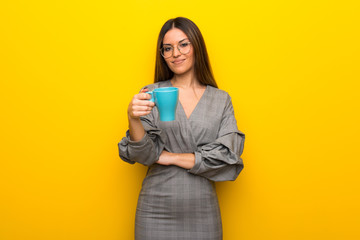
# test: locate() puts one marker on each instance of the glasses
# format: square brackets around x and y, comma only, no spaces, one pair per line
[167,50]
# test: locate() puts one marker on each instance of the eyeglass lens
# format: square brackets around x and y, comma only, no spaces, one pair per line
[168,50]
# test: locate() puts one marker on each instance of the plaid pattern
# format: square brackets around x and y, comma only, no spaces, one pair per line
[175,203]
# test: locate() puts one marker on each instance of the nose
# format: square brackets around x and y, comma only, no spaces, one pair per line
[176,52]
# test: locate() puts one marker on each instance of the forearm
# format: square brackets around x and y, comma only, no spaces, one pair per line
[136,129]
[184,160]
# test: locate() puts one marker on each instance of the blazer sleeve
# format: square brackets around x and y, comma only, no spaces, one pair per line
[148,149]
[220,160]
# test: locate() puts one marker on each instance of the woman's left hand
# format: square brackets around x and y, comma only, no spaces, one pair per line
[166,158]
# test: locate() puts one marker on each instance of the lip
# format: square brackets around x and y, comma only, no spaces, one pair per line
[179,61]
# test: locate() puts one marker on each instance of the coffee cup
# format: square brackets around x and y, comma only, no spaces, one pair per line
[166,101]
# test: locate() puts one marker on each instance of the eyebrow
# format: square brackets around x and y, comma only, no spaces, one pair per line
[179,41]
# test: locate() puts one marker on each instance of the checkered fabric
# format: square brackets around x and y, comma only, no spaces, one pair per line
[175,203]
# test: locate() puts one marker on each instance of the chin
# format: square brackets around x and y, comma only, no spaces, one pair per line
[177,71]
[180,71]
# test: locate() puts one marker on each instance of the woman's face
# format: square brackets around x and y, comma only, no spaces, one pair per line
[179,63]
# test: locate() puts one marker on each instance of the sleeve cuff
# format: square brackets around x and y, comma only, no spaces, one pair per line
[140,143]
[195,169]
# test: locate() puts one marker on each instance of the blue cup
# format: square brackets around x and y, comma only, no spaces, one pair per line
[166,100]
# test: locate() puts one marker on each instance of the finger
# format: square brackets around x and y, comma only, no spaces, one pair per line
[144,90]
[141,108]
[140,113]
[138,102]
[143,96]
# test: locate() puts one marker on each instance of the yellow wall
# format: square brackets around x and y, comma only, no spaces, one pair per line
[69,68]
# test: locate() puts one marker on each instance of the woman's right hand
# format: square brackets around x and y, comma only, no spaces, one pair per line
[140,105]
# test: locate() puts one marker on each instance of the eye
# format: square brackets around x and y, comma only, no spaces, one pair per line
[167,49]
[185,44]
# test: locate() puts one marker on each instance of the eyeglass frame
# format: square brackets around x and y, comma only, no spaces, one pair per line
[172,54]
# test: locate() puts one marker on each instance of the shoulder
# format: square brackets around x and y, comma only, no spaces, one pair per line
[218,94]
[152,86]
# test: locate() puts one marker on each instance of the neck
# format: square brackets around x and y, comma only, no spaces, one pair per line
[186,80]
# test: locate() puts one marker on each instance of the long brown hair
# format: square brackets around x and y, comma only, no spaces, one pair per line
[203,71]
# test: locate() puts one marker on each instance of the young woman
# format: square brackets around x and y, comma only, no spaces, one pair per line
[178,198]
